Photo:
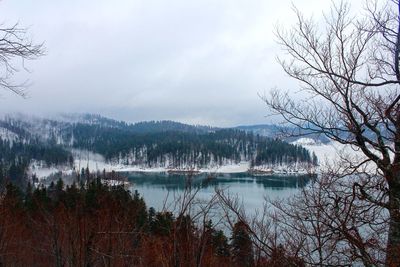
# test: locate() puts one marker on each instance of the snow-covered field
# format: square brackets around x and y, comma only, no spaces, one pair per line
[41,171]
[95,162]
[232,168]
[331,153]
[326,153]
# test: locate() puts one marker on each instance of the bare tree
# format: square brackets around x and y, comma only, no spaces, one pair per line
[349,74]
[14,44]
[329,224]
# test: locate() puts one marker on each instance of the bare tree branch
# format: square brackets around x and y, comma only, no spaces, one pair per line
[14,45]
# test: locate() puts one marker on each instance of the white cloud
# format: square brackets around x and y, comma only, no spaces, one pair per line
[194,61]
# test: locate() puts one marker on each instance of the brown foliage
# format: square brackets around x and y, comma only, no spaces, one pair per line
[96,226]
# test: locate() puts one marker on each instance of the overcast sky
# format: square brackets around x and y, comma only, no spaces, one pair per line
[201,62]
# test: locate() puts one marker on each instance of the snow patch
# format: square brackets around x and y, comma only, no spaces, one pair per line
[8,135]
[41,171]
[114,182]
[305,141]
[121,168]
[231,168]
[332,153]
[93,161]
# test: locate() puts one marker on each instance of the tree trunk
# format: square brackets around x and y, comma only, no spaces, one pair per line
[393,245]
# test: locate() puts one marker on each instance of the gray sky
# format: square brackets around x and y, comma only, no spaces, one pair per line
[201,62]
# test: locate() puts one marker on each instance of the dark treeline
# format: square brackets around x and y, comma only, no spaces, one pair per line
[15,157]
[97,225]
[50,154]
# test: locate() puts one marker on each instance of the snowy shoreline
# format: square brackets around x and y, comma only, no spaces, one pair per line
[99,166]
[326,153]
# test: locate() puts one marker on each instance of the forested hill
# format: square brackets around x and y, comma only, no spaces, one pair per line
[184,149]
[139,127]
[286,133]
[146,144]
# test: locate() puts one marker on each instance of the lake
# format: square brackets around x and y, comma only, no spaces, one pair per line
[251,189]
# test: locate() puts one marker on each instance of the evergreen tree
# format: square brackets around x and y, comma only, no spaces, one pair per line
[241,246]
[220,244]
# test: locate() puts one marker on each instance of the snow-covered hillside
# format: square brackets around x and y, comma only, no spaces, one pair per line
[332,153]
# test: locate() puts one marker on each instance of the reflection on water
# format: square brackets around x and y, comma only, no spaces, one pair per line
[252,190]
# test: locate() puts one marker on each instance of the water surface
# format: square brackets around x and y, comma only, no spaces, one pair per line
[251,189]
